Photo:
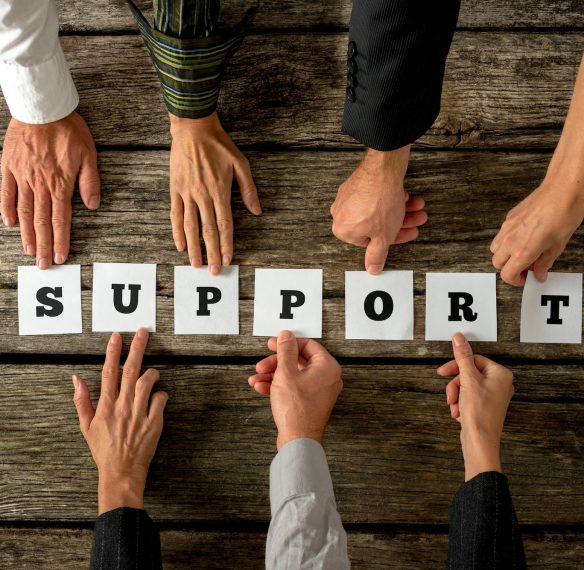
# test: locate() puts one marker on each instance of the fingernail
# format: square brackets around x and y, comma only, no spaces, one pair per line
[114,339]
[180,245]
[59,258]
[75,379]
[215,269]
[29,250]
[284,336]
[43,263]
[7,221]
[458,339]
[94,202]
[256,208]
[375,269]
[196,262]
[226,260]
[141,333]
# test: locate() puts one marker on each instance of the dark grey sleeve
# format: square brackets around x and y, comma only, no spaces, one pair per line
[395,67]
[484,532]
[125,538]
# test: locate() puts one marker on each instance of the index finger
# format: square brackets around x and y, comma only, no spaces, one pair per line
[61,219]
[513,272]
[133,364]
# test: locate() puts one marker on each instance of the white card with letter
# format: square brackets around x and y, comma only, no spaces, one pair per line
[379,307]
[551,312]
[206,304]
[124,297]
[49,300]
[288,299]
[461,302]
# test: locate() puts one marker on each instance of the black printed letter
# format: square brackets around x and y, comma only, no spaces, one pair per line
[118,298]
[207,296]
[461,302]
[56,307]
[386,306]
[288,303]
[555,301]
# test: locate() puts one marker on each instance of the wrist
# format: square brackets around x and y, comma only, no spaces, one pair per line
[481,454]
[393,163]
[204,125]
[115,492]
[285,437]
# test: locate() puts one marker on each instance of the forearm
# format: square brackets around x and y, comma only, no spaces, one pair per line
[484,532]
[125,538]
[34,75]
[395,68]
[306,530]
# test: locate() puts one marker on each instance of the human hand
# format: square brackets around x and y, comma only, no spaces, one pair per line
[537,230]
[372,210]
[123,432]
[203,162]
[478,397]
[303,381]
[40,164]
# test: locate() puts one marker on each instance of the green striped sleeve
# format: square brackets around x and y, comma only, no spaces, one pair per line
[189,51]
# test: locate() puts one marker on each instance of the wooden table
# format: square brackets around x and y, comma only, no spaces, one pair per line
[393,450]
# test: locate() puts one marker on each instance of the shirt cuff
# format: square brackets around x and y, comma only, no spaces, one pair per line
[190,69]
[299,468]
[40,93]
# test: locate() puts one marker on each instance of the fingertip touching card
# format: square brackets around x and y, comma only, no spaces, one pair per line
[49,301]
[551,312]
[379,307]
[288,299]
[124,297]
[206,304]
[461,302]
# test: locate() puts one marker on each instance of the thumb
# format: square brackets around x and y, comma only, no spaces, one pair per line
[287,351]
[83,403]
[89,184]
[375,255]
[463,355]
[247,187]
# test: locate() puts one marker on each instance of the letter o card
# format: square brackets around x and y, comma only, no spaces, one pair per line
[461,302]
[49,301]
[206,304]
[124,297]
[288,299]
[551,312]
[379,307]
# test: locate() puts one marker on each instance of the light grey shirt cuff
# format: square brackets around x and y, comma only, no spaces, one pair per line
[299,468]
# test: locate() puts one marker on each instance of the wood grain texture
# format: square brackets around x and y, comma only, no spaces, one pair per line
[393,450]
[106,16]
[183,550]
[297,189]
[501,90]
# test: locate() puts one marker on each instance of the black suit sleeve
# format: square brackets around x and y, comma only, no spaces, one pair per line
[125,538]
[395,67]
[484,533]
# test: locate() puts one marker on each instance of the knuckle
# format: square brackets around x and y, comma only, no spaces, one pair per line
[209,231]
[25,210]
[41,220]
[224,225]
[131,371]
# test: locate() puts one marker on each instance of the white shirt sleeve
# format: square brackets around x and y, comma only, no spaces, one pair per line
[34,75]
[306,531]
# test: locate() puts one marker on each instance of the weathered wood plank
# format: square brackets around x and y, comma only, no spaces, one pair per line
[392,447]
[25,548]
[500,90]
[106,16]
[297,189]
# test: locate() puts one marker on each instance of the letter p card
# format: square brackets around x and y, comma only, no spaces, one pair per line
[49,301]
[288,299]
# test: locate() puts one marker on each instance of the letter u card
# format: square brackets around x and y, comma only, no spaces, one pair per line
[288,299]
[49,301]
[124,297]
